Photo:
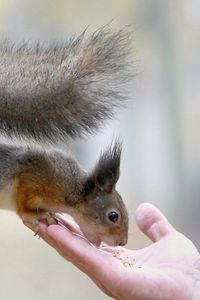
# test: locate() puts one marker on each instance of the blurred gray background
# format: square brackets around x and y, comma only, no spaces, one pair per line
[160,130]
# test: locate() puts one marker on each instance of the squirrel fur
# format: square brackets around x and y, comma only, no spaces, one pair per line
[50,94]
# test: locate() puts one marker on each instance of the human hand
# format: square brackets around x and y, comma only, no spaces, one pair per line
[169,269]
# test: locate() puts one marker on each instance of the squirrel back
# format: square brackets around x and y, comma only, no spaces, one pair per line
[49,93]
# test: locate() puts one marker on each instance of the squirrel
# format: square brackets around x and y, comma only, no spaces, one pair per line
[53,93]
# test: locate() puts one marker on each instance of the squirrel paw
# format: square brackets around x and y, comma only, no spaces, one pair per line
[33,221]
[49,218]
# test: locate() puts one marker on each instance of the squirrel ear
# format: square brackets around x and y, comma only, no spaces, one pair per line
[106,173]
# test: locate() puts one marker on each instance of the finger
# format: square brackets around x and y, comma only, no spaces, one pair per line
[89,259]
[62,221]
[42,232]
[81,253]
[69,242]
[94,262]
[152,222]
[84,256]
[71,225]
[42,229]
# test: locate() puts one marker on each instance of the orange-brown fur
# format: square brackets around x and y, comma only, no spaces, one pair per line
[35,196]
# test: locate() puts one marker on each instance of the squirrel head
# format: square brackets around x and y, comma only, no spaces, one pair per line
[103,213]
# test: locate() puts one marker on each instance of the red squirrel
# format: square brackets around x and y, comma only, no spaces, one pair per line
[50,94]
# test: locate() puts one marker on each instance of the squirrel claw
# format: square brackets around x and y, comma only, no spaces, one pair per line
[36,234]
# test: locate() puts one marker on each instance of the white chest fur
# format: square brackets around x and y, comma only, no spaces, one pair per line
[6,198]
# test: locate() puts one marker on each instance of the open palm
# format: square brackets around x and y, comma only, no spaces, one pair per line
[169,269]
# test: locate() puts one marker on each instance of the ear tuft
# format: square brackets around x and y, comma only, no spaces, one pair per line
[106,173]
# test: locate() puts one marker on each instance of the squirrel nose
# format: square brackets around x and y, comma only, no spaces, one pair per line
[123,241]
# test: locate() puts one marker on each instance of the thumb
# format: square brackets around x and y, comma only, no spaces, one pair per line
[152,222]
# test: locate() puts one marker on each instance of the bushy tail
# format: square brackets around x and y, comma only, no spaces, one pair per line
[64,90]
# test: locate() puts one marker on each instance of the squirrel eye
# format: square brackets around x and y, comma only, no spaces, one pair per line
[113,216]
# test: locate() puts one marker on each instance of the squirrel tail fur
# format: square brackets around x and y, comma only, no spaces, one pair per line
[64,90]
